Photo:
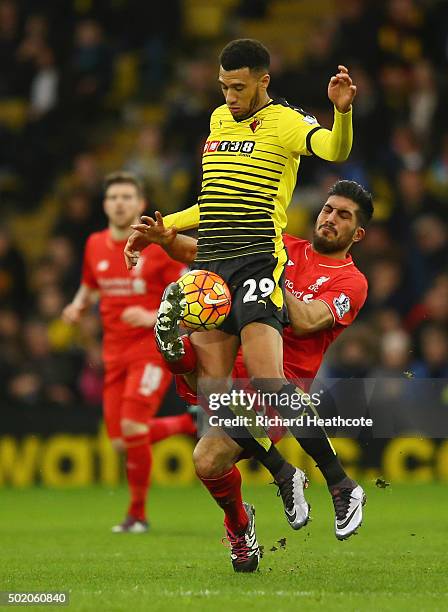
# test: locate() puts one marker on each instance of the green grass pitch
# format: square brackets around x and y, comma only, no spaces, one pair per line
[54,540]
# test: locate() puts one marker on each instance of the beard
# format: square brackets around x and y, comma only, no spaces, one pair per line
[324,245]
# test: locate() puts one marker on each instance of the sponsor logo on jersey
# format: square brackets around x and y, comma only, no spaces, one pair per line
[256,123]
[342,305]
[300,295]
[290,263]
[319,282]
[115,286]
[231,146]
[103,265]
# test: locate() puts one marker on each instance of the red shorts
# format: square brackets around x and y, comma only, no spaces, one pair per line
[133,391]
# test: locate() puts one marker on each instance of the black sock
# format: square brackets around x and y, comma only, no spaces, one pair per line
[313,440]
[332,470]
[345,483]
[272,459]
[276,464]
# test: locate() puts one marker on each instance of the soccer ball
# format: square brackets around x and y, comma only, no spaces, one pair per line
[207,298]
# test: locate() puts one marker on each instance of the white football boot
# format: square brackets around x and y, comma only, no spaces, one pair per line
[131,525]
[291,490]
[348,504]
[166,329]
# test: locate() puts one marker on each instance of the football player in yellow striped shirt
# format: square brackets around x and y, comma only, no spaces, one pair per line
[250,165]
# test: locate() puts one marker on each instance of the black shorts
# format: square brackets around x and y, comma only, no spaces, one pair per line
[256,285]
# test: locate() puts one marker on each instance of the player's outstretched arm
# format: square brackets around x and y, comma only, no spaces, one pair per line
[335,144]
[181,248]
[84,297]
[184,219]
[301,134]
[306,318]
[148,232]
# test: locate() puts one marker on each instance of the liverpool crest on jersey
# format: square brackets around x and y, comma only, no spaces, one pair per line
[319,282]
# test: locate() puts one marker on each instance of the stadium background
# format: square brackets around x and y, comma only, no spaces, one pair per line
[90,86]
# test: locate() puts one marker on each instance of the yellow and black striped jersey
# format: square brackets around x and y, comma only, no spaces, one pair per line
[249,174]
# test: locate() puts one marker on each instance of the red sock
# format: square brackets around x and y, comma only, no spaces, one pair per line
[226,491]
[138,468]
[187,363]
[163,427]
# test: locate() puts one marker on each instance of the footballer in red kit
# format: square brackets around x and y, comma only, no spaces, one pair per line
[338,284]
[309,276]
[324,292]
[136,377]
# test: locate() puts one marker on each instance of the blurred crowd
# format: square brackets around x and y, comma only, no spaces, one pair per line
[81,76]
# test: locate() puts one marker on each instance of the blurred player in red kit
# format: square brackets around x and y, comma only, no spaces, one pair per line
[136,376]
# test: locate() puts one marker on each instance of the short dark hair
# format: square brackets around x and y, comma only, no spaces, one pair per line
[245,53]
[123,178]
[355,192]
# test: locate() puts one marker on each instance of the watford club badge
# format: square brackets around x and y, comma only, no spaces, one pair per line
[256,123]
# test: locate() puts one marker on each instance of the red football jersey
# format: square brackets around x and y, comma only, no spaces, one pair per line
[338,283]
[311,276]
[104,269]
